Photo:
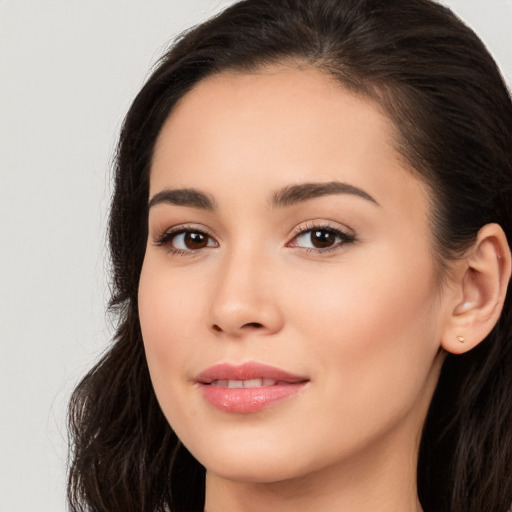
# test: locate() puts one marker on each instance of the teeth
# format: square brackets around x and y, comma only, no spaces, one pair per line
[253,383]
[249,383]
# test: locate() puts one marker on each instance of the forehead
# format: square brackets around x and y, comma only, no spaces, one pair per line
[266,130]
[279,105]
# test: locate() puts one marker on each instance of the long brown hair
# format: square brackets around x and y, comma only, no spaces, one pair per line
[453,112]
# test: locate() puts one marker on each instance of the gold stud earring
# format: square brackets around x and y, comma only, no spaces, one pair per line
[461,339]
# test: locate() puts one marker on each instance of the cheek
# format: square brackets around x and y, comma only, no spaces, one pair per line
[169,313]
[372,328]
[362,304]
[372,338]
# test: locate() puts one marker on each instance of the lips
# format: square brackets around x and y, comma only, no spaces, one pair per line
[246,371]
[249,387]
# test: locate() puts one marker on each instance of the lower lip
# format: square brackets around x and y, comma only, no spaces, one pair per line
[248,400]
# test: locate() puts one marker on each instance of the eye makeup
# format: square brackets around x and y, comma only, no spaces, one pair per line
[185,239]
[313,237]
[320,237]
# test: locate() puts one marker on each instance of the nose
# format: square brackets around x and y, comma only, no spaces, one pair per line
[245,297]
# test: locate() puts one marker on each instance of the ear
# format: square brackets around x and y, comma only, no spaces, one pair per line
[480,282]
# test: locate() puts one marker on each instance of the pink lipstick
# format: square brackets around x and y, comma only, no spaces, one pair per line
[249,387]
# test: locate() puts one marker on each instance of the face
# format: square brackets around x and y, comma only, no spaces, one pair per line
[287,299]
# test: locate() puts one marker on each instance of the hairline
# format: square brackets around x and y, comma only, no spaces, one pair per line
[381,96]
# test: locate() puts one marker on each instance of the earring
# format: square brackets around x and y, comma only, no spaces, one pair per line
[461,339]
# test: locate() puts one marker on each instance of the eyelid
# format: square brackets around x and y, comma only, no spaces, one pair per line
[166,236]
[344,232]
[321,224]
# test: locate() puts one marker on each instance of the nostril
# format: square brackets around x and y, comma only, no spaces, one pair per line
[254,325]
[249,325]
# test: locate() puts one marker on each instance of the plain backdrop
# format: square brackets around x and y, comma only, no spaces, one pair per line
[68,72]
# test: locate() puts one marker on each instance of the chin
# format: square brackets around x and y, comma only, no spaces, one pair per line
[251,463]
[261,469]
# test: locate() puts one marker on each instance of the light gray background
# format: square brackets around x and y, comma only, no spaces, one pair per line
[68,71]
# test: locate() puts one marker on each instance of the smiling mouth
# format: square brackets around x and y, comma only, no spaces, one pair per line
[247,388]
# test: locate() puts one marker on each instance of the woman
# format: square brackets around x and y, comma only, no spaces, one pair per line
[309,243]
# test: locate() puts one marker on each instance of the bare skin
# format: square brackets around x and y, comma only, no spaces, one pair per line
[338,286]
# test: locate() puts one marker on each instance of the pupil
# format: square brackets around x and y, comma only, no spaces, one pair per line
[195,240]
[323,239]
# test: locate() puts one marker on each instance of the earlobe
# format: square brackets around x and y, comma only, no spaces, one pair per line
[481,286]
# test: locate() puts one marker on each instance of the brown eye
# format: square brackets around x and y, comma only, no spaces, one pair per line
[186,241]
[193,240]
[321,238]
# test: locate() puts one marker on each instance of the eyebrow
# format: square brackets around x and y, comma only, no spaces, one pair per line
[287,196]
[294,194]
[183,197]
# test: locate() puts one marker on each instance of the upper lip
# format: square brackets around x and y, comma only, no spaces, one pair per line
[247,371]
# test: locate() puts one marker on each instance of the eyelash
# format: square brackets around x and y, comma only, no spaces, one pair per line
[165,239]
[345,238]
